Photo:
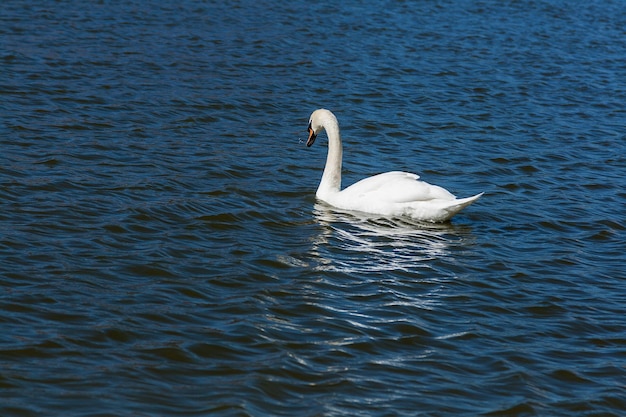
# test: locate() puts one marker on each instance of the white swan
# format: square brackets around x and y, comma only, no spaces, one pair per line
[390,194]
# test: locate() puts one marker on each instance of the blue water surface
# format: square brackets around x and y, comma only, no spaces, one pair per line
[162,251]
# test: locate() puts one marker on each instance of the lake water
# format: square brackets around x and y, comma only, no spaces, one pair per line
[162,252]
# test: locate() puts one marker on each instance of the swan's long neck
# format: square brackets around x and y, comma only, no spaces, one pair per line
[331,178]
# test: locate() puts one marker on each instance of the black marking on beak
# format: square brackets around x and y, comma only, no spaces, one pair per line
[312,136]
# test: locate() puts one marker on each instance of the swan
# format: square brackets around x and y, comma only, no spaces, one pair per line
[392,194]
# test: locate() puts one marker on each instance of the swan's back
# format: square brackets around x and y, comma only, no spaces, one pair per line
[397,187]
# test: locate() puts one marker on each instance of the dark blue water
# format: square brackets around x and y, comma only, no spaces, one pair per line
[162,252]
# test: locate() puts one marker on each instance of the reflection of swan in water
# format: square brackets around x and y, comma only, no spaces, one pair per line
[357,243]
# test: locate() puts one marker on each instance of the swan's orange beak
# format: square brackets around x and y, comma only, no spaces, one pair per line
[312,136]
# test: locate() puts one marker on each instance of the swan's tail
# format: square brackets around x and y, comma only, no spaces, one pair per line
[438,210]
[459,204]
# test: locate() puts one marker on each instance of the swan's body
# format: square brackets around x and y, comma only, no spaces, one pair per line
[390,194]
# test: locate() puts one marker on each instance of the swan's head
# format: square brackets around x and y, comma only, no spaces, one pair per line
[320,119]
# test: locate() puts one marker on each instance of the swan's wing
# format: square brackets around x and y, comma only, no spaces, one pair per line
[377,181]
[396,187]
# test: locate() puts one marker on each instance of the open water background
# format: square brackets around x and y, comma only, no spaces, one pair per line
[162,252]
